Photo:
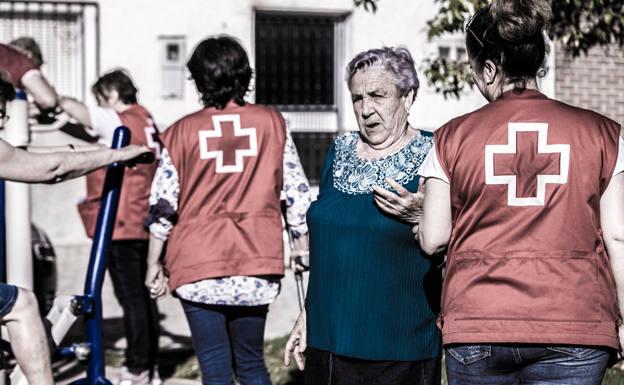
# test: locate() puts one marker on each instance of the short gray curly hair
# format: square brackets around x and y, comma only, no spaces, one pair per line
[396,60]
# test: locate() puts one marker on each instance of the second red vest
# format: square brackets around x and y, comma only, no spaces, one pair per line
[134,199]
[230,165]
[526,260]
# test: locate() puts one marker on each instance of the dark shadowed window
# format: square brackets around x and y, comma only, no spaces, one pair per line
[295,60]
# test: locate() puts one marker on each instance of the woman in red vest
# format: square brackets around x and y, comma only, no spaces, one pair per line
[216,201]
[118,105]
[526,193]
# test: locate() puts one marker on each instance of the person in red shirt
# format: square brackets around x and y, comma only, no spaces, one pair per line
[20,63]
[118,105]
[526,194]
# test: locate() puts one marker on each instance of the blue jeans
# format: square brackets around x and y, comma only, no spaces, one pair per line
[228,341]
[525,364]
[8,296]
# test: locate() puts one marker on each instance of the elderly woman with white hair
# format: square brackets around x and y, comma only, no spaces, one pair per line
[370,315]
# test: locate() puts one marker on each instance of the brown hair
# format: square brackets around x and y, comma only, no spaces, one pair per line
[220,68]
[510,33]
[118,80]
[29,45]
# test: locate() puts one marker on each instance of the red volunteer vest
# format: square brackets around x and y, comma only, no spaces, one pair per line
[134,199]
[229,163]
[14,65]
[526,261]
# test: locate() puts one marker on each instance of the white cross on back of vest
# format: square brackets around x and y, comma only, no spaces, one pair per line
[526,170]
[217,149]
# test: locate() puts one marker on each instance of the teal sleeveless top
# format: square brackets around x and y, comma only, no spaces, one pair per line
[371,294]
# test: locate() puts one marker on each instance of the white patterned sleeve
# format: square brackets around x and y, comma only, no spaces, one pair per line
[295,191]
[163,200]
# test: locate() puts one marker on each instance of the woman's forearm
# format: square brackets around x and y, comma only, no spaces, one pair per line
[154,250]
[616,256]
[434,230]
[22,166]
[41,90]
[612,225]
[65,148]
[76,110]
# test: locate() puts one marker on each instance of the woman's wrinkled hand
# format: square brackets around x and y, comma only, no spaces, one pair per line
[156,281]
[300,253]
[296,344]
[404,204]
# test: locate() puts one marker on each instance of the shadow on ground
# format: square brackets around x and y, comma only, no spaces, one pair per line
[175,353]
[177,358]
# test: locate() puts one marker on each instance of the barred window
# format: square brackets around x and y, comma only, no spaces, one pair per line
[67,33]
[295,60]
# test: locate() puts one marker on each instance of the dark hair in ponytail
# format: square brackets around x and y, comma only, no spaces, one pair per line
[510,33]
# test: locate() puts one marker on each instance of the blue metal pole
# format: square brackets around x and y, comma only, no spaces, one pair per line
[2,235]
[97,261]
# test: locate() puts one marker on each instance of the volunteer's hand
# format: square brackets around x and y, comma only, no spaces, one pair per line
[300,253]
[156,280]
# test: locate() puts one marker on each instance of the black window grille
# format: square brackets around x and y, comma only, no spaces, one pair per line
[312,148]
[59,27]
[295,60]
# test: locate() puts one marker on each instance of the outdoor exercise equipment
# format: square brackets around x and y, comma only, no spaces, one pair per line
[89,305]
[19,265]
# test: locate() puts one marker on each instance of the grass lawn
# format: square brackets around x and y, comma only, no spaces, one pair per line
[281,375]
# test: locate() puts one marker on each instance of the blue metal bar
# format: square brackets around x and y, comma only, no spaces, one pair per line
[97,261]
[2,234]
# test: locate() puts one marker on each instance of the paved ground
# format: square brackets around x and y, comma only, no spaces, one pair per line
[175,342]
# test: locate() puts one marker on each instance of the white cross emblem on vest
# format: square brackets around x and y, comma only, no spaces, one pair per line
[218,153]
[537,163]
[150,138]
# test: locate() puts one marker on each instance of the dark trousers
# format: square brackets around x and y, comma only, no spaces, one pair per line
[228,341]
[525,365]
[326,368]
[127,265]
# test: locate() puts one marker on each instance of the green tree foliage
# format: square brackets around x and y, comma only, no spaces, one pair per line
[577,24]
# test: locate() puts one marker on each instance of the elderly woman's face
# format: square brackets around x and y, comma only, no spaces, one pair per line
[380,109]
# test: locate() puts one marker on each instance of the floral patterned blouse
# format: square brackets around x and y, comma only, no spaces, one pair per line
[353,175]
[234,290]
